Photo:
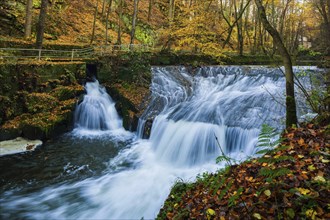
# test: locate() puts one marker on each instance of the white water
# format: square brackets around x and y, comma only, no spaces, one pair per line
[97,111]
[229,102]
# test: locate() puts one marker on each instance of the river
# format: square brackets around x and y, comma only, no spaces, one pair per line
[101,171]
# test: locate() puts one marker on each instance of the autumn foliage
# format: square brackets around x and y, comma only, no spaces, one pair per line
[290,182]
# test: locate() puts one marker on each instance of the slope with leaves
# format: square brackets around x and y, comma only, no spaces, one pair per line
[71,22]
[289,182]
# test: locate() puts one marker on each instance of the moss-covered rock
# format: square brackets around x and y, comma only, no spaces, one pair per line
[67,92]
[35,105]
[129,99]
[40,102]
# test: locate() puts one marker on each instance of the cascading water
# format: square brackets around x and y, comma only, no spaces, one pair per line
[188,112]
[97,111]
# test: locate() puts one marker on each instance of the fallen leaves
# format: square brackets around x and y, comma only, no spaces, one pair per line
[298,189]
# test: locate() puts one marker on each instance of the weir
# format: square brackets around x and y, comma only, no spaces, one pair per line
[188,110]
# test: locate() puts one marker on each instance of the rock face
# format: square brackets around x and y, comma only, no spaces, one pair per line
[127,79]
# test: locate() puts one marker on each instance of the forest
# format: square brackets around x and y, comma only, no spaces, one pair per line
[209,26]
[165,109]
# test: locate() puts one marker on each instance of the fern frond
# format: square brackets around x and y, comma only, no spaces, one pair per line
[273,173]
[267,139]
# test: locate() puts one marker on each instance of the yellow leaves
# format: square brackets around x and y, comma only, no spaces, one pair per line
[257,216]
[210,213]
[310,213]
[311,168]
[303,191]
[300,156]
[319,179]
[250,179]
[325,161]
[267,193]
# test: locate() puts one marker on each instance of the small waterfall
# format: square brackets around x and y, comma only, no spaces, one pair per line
[97,111]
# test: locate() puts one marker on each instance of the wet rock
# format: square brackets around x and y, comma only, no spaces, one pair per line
[18,145]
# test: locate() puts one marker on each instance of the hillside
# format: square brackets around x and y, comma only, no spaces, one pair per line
[71,22]
[289,182]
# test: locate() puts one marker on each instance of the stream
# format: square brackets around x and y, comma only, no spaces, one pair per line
[101,171]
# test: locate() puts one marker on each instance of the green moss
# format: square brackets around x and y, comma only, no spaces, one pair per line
[46,94]
[67,92]
[291,118]
[40,102]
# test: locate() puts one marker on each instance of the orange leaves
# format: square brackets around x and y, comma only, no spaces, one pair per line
[288,194]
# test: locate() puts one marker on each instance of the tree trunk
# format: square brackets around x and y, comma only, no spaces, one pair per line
[151,2]
[136,4]
[171,10]
[94,22]
[103,8]
[41,23]
[28,19]
[254,47]
[326,20]
[120,12]
[107,22]
[291,114]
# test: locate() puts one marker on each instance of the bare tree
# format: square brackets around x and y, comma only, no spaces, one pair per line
[103,7]
[28,19]
[94,22]
[171,9]
[151,3]
[291,113]
[136,4]
[107,21]
[323,7]
[120,13]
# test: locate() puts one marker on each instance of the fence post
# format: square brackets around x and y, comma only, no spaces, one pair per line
[39,55]
[72,55]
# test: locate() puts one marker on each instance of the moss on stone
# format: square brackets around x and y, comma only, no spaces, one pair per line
[36,104]
[67,92]
[40,102]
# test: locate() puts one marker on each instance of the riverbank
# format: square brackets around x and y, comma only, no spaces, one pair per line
[291,181]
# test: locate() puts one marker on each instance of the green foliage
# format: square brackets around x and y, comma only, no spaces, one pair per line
[267,143]
[224,158]
[273,173]
[136,68]
[233,199]
[266,139]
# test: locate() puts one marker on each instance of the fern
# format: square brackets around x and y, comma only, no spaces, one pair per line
[225,190]
[267,139]
[233,198]
[275,159]
[273,173]
[217,186]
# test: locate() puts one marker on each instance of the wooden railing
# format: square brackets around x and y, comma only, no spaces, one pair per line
[71,55]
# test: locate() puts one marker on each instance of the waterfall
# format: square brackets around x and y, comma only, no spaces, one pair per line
[97,111]
[188,110]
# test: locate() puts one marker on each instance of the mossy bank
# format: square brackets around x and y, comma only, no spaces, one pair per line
[37,99]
